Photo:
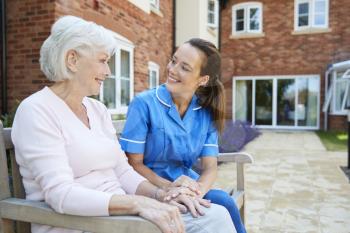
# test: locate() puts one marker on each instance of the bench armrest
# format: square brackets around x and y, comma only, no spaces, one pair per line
[41,213]
[237,157]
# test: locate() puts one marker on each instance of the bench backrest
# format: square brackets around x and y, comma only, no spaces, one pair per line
[10,179]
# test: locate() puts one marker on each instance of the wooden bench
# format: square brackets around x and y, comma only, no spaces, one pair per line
[16,213]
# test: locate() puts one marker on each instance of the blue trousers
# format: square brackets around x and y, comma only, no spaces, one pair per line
[224,199]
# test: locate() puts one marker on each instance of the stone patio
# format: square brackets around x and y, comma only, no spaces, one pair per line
[294,185]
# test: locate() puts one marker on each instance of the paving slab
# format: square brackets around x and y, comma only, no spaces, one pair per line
[294,186]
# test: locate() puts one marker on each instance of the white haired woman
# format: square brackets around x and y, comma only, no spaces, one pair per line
[66,145]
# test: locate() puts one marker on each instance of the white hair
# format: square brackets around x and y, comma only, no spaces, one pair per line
[72,33]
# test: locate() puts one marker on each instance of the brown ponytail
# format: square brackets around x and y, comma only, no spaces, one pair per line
[212,95]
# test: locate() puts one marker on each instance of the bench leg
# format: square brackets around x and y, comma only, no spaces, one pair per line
[7,226]
[22,227]
[241,211]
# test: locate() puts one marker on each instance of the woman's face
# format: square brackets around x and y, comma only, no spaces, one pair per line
[183,70]
[92,71]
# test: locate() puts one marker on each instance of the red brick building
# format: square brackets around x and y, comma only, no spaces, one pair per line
[143,28]
[275,53]
[275,56]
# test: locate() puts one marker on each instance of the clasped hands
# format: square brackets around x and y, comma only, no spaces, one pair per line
[186,194]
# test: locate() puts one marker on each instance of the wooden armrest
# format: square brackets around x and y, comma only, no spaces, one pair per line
[237,157]
[41,213]
[7,137]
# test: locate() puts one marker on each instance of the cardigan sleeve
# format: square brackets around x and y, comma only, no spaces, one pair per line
[127,176]
[39,143]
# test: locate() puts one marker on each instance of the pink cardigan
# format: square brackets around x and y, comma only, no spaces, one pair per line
[72,168]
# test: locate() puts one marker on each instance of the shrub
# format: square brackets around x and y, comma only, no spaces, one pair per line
[236,135]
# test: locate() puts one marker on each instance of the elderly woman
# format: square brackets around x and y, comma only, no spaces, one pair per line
[67,148]
[169,128]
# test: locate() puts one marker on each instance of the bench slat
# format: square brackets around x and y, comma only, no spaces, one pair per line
[40,213]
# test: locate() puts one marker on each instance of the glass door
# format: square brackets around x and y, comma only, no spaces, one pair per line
[278,102]
[263,102]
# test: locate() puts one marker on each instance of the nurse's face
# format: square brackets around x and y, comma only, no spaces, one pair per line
[183,76]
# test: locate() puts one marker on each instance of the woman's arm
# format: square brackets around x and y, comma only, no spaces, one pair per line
[205,181]
[208,174]
[136,161]
[165,216]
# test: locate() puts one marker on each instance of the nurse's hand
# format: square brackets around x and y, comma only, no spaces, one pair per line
[188,182]
[173,192]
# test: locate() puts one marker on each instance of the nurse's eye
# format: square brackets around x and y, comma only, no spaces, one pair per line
[185,68]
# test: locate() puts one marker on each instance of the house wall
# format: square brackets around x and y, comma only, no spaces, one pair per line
[187,20]
[191,21]
[280,52]
[29,24]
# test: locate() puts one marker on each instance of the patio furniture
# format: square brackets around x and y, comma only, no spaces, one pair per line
[16,212]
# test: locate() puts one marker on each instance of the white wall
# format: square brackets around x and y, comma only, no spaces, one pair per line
[191,21]
[205,32]
[187,20]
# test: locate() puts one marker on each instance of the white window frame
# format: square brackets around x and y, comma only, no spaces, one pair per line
[216,14]
[274,100]
[345,79]
[154,4]
[246,19]
[311,15]
[152,66]
[126,46]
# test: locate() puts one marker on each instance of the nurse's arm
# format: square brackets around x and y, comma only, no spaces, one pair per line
[136,161]
[208,173]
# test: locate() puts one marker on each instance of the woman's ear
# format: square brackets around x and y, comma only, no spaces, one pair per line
[72,60]
[204,80]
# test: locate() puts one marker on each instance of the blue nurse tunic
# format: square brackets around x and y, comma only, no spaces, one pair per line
[170,144]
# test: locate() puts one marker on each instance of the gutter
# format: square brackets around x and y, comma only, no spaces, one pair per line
[174,28]
[4,107]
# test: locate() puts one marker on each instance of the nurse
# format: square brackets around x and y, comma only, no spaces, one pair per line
[172,126]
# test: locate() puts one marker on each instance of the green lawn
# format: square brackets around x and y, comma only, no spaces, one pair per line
[334,141]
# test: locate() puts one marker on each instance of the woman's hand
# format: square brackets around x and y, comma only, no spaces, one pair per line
[165,216]
[185,181]
[193,204]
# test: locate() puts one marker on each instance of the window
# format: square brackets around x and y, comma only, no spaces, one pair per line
[117,89]
[213,11]
[153,75]
[341,92]
[311,14]
[247,18]
[154,4]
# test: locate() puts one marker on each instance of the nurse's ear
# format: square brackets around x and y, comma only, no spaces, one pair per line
[203,80]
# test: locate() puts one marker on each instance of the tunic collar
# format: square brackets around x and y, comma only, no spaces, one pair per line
[164,97]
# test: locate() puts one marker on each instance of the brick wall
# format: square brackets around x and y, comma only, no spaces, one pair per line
[29,24]
[281,53]
[337,123]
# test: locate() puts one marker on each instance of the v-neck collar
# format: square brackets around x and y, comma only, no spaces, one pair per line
[164,97]
[69,110]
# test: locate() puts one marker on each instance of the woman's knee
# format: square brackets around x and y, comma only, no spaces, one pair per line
[220,197]
[220,218]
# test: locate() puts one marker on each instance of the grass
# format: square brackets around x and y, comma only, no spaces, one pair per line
[334,140]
